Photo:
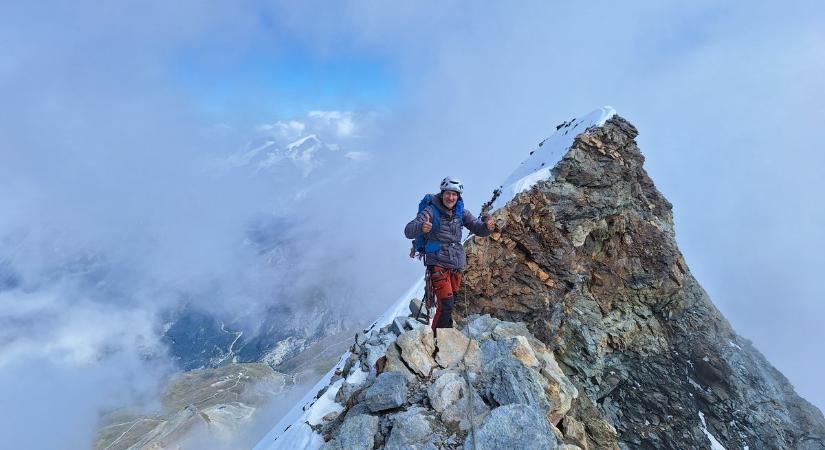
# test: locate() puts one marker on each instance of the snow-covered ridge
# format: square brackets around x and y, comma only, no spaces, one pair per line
[541,161]
[293,430]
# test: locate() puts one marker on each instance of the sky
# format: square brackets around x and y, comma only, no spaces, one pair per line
[113,115]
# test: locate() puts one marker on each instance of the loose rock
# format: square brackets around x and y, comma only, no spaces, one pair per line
[417,348]
[389,391]
[356,433]
[514,426]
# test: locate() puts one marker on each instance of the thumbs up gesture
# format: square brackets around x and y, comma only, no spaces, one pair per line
[427,226]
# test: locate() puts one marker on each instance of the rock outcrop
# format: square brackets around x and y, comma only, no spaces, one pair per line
[588,260]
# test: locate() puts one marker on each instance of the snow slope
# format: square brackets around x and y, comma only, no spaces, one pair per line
[293,431]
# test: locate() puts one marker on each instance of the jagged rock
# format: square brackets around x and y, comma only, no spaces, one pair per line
[453,348]
[398,325]
[360,338]
[395,364]
[356,433]
[588,260]
[388,391]
[513,426]
[503,331]
[412,429]
[511,382]
[559,389]
[446,390]
[372,353]
[347,390]
[480,327]
[413,324]
[459,413]
[523,352]
[415,306]
[574,432]
[417,349]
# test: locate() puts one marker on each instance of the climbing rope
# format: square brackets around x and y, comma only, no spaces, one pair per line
[466,374]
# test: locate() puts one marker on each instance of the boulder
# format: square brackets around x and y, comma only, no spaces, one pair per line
[509,381]
[446,390]
[480,327]
[513,426]
[417,348]
[458,414]
[413,324]
[356,433]
[395,364]
[398,325]
[453,347]
[415,305]
[450,394]
[412,429]
[388,391]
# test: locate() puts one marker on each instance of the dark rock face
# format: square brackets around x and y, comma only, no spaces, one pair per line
[588,260]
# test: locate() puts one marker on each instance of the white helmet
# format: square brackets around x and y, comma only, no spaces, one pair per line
[452,184]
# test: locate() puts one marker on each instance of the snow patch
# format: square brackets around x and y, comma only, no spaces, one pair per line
[695,385]
[714,444]
[325,405]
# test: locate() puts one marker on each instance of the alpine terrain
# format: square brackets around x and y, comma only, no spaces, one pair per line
[233,364]
[579,326]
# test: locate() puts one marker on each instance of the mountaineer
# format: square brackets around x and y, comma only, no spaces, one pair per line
[437,232]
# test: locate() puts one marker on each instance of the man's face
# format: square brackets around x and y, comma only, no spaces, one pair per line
[449,198]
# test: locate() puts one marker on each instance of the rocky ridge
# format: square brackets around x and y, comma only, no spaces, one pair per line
[579,326]
[424,391]
[588,260]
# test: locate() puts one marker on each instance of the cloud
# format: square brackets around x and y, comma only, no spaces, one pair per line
[342,122]
[291,129]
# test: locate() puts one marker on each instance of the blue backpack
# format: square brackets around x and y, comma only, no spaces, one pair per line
[422,243]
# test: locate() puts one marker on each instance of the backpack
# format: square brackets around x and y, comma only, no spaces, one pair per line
[422,244]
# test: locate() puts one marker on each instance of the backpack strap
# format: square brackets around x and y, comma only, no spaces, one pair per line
[433,245]
[423,243]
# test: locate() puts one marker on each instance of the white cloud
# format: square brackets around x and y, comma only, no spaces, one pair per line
[289,130]
[343,122]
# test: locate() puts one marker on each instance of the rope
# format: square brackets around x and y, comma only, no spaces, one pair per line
[467,377]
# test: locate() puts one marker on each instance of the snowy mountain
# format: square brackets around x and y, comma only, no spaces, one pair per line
[580,327]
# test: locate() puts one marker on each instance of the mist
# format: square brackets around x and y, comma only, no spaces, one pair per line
[119,199]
